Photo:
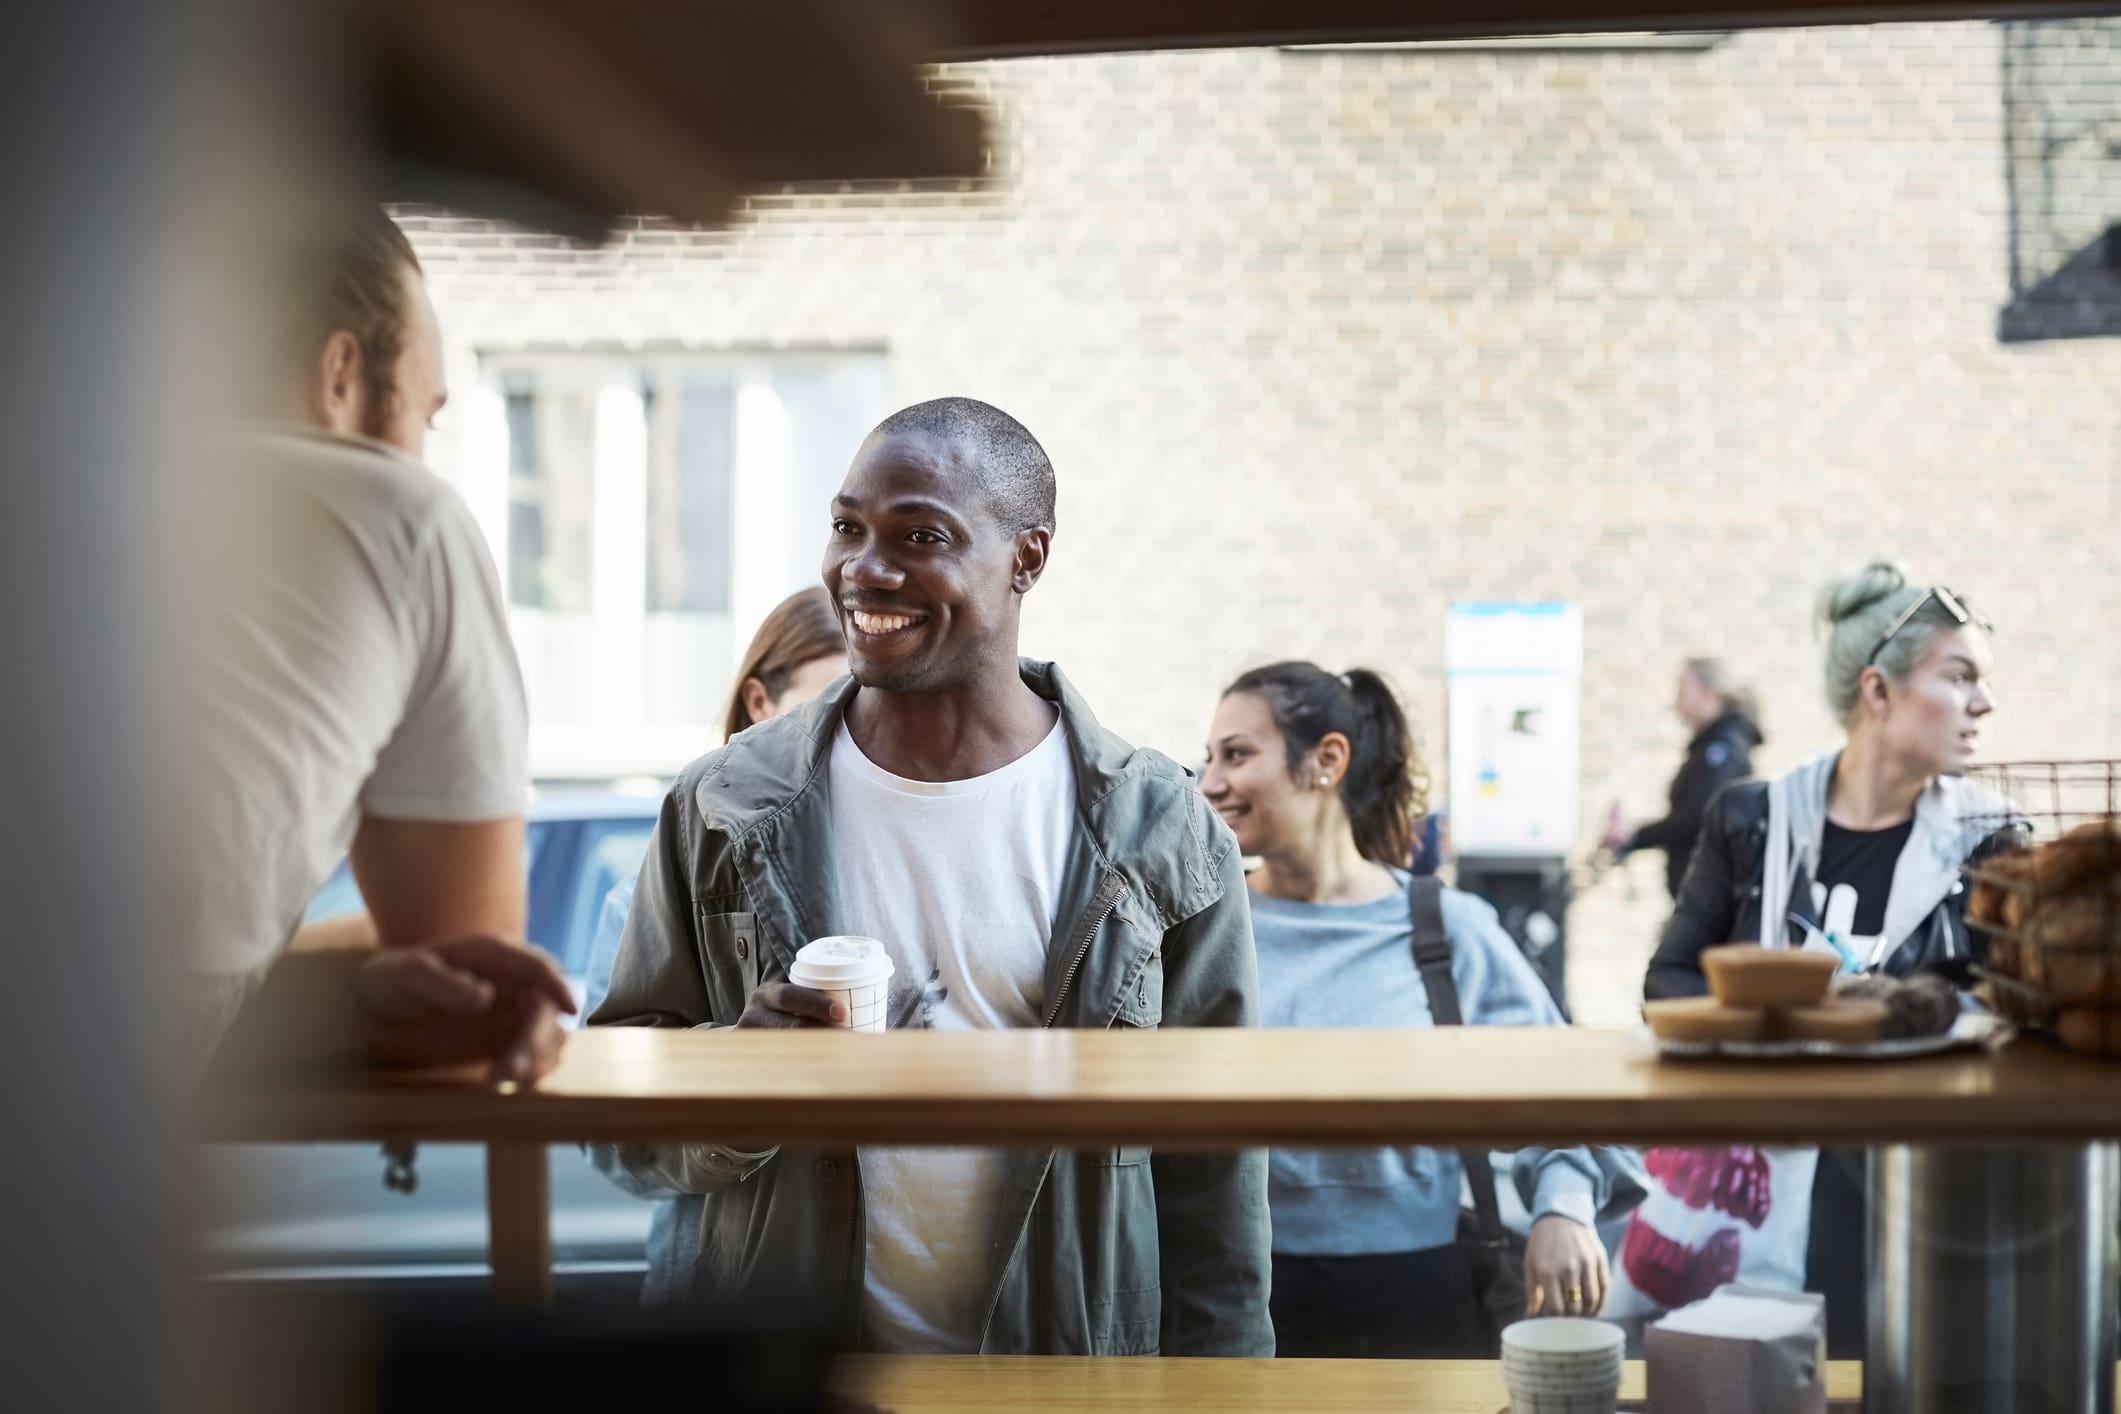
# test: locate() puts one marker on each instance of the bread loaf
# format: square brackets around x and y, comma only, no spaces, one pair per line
[2090,977]
[1997,879]
[2083,921]
[2090,1029]
[2004,956]
[2078,860]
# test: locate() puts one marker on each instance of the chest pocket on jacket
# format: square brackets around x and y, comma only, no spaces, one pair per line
[729,958]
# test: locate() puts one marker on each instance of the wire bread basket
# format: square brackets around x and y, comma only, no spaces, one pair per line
[2046,896]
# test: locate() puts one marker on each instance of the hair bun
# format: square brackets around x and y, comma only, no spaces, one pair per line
[1846,598]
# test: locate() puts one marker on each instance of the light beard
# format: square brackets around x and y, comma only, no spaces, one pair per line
[378,404]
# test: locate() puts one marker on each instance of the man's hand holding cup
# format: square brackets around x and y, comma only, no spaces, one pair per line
[841,981]
[784,1006]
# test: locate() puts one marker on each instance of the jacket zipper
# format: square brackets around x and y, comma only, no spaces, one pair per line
[1102,903]
[1101,906]
[857,1251]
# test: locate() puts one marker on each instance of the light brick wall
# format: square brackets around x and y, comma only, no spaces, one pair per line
[1322,341]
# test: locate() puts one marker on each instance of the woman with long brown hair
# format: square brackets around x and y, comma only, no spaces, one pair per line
[795,653]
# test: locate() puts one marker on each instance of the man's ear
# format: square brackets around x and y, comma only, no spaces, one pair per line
[1032,547]
[335,393]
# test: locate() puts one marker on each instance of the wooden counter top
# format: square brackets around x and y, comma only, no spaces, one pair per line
[1204,1089]
[934,1384]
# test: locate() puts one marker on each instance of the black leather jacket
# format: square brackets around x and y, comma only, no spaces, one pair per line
[1720,753]
[1719,902]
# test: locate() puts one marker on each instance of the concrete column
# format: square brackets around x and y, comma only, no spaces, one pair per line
[618,572]
[482,469]
[765,452]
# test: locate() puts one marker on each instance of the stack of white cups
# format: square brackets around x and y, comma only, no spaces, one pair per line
[1562,1365]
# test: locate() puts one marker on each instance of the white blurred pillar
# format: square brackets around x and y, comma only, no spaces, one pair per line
[758,562]
[618,597]
[483,473]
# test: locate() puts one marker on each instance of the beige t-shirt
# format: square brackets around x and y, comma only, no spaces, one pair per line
[340,649]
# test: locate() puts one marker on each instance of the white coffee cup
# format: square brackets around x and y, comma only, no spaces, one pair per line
[855,969]
[1562,1365]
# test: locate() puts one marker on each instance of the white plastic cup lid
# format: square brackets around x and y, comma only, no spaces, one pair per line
[845,960]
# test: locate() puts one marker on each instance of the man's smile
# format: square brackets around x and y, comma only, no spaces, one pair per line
[870,625]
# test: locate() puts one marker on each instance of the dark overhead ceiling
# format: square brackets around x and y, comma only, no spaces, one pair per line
[992,28]
[564,114]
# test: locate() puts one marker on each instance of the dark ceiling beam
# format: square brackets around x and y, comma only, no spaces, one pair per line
[1006,28]
[565,113]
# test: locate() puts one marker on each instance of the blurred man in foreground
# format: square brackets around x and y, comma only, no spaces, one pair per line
[346,688]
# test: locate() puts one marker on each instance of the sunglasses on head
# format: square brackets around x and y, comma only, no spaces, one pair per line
[1959,612]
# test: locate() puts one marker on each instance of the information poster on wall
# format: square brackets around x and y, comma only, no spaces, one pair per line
[1515,674]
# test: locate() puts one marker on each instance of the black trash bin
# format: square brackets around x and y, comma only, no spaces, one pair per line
[1531,893]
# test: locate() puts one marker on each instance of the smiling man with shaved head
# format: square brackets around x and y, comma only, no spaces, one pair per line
[1023,867]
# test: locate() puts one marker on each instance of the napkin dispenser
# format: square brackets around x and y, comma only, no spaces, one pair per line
[1744,1350]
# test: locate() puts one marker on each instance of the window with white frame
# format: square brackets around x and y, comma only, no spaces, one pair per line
[649,510]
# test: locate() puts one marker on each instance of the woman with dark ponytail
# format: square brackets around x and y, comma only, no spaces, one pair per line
[1322,781]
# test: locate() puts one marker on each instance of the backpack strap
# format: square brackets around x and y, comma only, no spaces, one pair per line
[1432,959]
[1432,949]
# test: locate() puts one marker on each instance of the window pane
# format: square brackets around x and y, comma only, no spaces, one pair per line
[832,403]
[689,499]
[613,853]
[551,457]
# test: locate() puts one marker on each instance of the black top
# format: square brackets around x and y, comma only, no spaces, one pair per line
[1720,753]
[1864,860]
[1720,902]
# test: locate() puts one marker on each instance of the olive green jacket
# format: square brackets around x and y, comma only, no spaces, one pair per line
[1107,1252]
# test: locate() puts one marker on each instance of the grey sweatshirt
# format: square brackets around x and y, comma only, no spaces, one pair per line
[1326,965]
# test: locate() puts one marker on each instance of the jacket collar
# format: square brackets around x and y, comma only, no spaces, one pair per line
[768,793]
[261,429]
[1733,726]
[761,770]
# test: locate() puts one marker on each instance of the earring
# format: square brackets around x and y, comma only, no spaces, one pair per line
[1325,780]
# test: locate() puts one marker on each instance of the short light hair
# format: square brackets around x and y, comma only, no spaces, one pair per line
[355,283]
[1715,676]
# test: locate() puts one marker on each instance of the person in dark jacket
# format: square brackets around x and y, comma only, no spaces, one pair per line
[1860,852]
[1723,721]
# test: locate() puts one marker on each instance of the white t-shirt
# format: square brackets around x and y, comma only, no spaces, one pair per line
[959,880]
[343,651]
